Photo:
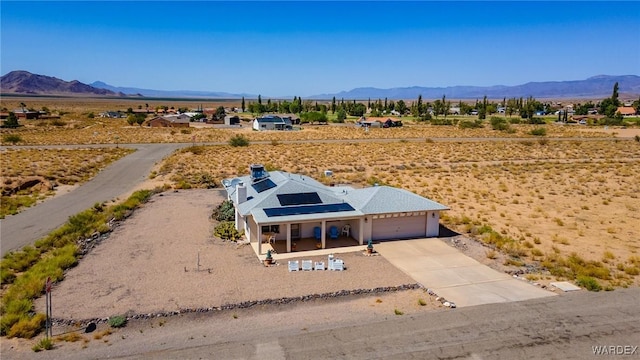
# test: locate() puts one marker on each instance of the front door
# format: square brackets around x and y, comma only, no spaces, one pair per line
[295,231]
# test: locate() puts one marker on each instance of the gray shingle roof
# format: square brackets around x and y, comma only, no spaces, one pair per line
[372,200]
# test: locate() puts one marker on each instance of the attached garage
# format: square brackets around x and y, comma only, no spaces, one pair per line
[399,226]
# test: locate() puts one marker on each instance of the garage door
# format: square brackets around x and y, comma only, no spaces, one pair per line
[401,227]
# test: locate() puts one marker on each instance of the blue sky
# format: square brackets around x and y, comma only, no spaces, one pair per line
[308,48]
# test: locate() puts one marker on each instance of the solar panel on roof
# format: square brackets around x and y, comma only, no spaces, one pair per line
[263,185]
[308,209]
[299,199]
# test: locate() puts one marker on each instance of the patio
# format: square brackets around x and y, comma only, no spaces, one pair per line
[307,247]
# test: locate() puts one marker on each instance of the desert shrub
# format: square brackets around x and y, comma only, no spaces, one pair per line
[637,138]
[538,132]
[499,123]
[468,124]
[185,131]
[183,184]
[71,337]
[226,230]
[239,140]
[205,179]
[588,283]
[515,120]
[20,260]
[225,211]
[632,270]
[421,302]
[44,344]
[536,121]
[11,138]
[195,150]
[27,327]
[398,312]
[117,321]
[58,123]
[442,121]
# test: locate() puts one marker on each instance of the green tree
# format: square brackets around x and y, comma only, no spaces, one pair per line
[220,113]
[313,116]
[401,107]
[259,99]
[333,105]
[242,105]
[11,121]
[341,115]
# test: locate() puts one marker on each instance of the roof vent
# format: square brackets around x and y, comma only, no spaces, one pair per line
[258,173]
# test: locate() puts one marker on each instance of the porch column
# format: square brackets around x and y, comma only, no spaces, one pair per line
[288,237]
[259,239]
[361,232]
[323,234]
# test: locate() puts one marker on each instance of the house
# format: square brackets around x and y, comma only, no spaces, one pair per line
[293,118]
[272,122]
[26,114]
[374,122]
[169,121]
[111,114]
[231,120]
[623,110]
[291,207]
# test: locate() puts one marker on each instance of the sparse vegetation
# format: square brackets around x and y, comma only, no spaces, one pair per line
[117,321]
[226,230]
[588,283]
[49,257]
[238,140]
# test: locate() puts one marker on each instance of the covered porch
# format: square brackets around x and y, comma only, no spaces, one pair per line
[306,236]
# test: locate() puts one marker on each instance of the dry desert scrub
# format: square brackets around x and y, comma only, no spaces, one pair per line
[78,129]
[56,166]
[540,201]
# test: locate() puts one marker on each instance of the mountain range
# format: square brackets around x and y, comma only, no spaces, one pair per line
[171,93]
[594,87]
[26,83]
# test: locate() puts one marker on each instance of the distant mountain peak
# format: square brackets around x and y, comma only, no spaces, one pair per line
[24,82]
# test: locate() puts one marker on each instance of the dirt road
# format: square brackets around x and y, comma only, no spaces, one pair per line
[562,327]
[33,223]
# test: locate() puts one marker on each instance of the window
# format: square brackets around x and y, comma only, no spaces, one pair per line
[271,229]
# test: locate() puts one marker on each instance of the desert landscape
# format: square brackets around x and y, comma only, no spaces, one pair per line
[562,206]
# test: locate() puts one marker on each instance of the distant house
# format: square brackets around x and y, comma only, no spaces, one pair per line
[169,121]
[378,121]
[111,114]
[26,114]
[293,118]
[623,110]
[231,120]
[271,122]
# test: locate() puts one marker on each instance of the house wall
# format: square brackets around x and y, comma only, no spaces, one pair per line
[433,223]
[253,230]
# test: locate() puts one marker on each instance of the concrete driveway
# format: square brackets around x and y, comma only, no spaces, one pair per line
[455,276]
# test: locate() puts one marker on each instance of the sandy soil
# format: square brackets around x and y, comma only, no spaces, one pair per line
[149,264]
[617,132]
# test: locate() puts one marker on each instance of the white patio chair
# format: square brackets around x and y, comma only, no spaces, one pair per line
[319,265]
[293,265]
[346,230]
[338,265]
[307,265]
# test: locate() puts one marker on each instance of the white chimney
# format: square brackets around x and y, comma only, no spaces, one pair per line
[241,193]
